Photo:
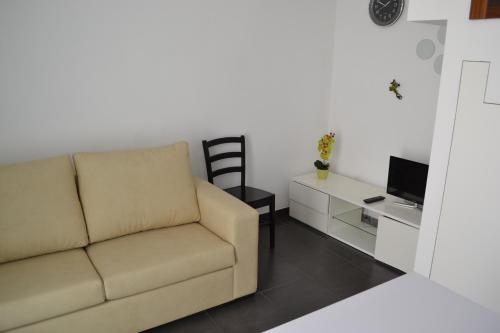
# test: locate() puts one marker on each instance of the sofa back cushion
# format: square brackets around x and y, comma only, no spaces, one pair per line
[39,209]
[130,191]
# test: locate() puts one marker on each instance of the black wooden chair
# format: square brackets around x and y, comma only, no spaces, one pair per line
[252,196]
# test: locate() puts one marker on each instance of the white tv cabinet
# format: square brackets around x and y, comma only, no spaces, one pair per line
[335,206]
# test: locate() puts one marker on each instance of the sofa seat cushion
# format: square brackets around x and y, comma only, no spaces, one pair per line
[39,209]
[125,192]
[42,287]
[152,259]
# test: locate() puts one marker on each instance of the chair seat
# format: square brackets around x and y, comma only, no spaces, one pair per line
[252,196]
[47,286]
[156,258]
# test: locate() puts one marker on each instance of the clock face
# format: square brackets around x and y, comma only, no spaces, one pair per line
[386,12]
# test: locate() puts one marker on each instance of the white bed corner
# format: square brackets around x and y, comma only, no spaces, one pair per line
[410,303]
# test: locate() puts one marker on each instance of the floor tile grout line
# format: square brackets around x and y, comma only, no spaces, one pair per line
[214,322]
[268,298]
[327,251]
[280,285]
[351,266]
[307,275]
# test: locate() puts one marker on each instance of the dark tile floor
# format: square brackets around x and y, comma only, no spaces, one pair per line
[306,271]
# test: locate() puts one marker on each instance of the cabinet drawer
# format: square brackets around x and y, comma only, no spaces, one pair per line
[396,244]
[309,197]
[308,216]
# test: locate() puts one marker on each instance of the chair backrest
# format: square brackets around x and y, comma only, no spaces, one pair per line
[209,159]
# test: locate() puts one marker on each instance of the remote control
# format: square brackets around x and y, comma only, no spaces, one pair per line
[374,199]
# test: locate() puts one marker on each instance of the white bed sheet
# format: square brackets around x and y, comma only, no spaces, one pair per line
[410,303]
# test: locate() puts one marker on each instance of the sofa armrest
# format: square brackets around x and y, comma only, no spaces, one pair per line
[236,223]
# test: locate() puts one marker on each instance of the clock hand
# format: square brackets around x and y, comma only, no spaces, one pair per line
[386,4]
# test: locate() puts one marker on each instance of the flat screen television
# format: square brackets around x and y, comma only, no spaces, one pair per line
[407,179]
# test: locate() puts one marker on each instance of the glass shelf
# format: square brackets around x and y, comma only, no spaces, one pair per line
[352,215]
[354,218]
[347,224]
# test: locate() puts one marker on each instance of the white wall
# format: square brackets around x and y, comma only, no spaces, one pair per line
[371,123]
[94,75]
[473,37]
[467,248]
[465,40]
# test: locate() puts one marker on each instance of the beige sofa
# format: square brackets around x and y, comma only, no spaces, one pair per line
[140,244]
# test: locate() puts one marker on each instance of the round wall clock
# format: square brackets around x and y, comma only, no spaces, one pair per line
[386,12]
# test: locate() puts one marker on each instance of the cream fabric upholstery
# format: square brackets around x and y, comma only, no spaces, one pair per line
[39,209]
[236,223]
[42,287]
[140,312]
[152,259]
[131,191]
[149,277]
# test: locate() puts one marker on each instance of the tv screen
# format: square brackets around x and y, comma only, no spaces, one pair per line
[407,179]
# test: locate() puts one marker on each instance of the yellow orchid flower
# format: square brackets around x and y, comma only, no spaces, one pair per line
[325,146]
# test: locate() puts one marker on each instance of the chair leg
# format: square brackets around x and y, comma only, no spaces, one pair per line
[272,222]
